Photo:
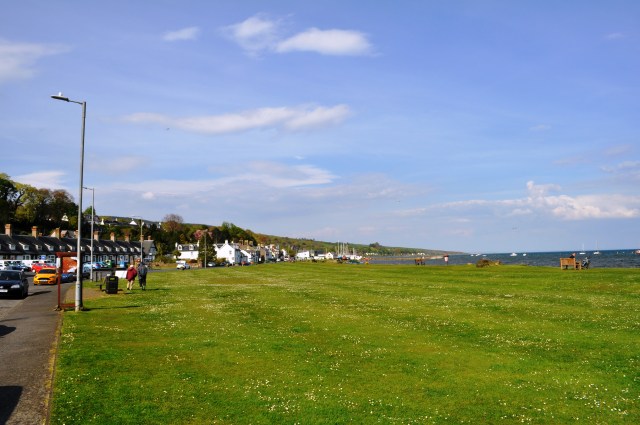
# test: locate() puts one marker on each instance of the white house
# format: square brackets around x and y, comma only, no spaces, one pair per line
[303,255]
[188,251]
[228,252]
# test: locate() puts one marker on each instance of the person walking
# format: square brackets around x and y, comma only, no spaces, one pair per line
[142,275]
[131,277]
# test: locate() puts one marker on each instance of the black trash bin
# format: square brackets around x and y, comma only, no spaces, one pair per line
[111,284]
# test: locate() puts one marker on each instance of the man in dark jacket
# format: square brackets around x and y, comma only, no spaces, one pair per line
[142,275]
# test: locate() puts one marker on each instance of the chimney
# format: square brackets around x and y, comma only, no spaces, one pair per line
[56,233]
[113,237]
[34,231]
[7,229]
[96,235]
[126,237]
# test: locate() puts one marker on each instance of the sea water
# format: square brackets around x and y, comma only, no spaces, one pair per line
[625,258]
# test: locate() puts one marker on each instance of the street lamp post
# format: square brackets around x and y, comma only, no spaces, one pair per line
[93,214]
[78,305]
[133,223]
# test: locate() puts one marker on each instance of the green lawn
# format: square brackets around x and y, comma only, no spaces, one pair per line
[329,343]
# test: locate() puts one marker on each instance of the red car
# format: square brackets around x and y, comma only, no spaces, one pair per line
[36,267]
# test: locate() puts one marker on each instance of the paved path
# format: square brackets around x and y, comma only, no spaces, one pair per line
[29,330]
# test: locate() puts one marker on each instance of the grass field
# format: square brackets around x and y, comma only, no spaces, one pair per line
[328,344]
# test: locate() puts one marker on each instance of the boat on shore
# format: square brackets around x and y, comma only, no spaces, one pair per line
[343,254]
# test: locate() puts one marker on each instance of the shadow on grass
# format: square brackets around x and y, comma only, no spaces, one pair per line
[10,396]
[111,308]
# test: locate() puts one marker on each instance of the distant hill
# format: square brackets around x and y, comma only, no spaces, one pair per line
[302,244]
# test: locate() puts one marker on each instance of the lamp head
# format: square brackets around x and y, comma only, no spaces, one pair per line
[60,96]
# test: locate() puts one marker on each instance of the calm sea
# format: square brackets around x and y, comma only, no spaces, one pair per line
[625,258]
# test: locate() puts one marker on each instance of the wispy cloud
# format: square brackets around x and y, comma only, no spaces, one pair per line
[614,36]
[327,42]
[254,34]
[618,150]
[53,179]
[292,119]
[540,127]
[256,176]
[259,33]
[629,170]
[17,60]
[546,200]
[190,33]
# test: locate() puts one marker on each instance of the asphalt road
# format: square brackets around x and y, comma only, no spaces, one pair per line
[29,330]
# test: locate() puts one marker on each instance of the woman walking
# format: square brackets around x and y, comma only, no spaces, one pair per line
[131,277]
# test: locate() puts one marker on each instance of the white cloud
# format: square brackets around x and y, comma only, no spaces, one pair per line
[296,118]
[327,42]
[53,179]
[17,60]
[121,164]
[253,34]
[629,170]
[260,33]
[540,127]
[614,36]
[257,175]
[190,33]
[623,166]
[318,117]
[541,201]
[618,150]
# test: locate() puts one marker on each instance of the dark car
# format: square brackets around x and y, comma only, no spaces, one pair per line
[67,277]
[13,283]
[21,267]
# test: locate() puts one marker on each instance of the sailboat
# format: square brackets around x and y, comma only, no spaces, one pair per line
[583,251]
[596,252]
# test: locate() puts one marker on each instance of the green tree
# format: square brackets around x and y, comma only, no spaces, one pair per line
[176,254]
[172,223]
[206,250]
[8,195]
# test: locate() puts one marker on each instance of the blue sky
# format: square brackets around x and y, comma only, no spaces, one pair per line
[479,126]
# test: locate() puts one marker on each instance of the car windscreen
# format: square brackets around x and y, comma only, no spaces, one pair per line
[9,275]
[47,271]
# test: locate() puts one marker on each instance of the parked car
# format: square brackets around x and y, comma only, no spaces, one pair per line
[67,277]
[45,277]
[182,266]
[97,265]
[20,267]
[13,283]
[36,267]
[86,271]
